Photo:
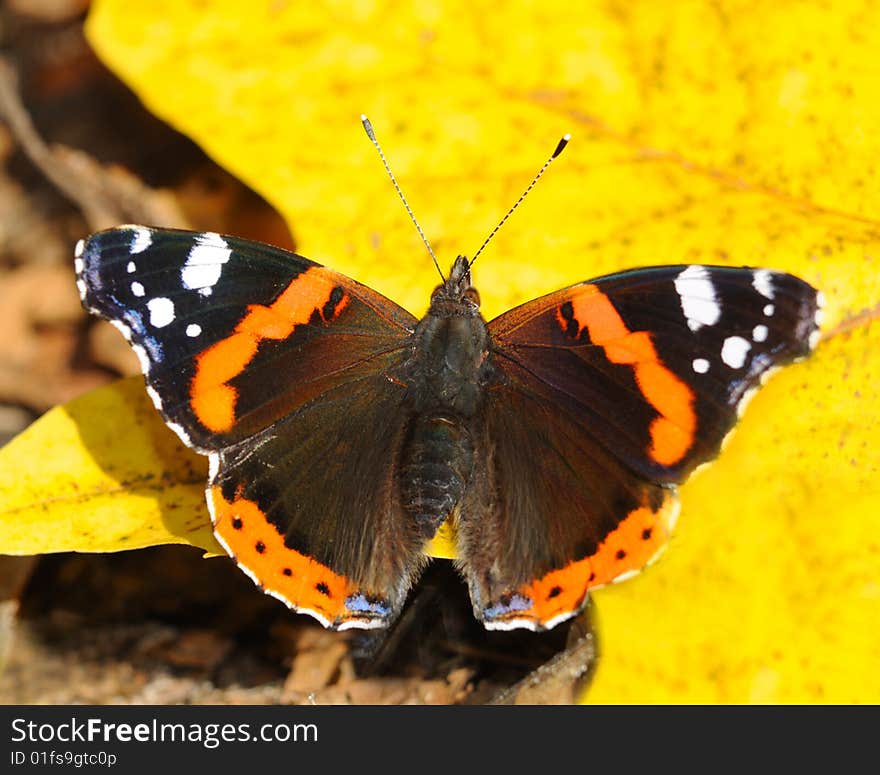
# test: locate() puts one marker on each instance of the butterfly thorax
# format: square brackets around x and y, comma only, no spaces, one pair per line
[451,361]
[446,377]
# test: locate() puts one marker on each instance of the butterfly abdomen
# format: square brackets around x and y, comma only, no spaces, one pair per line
[438,460]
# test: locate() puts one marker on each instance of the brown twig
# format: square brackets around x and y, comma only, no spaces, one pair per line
[107,196]
[561,680]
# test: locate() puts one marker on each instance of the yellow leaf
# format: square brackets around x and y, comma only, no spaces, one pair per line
[102,474]
[711,132]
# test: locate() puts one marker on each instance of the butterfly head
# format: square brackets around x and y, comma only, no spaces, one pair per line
[456,295]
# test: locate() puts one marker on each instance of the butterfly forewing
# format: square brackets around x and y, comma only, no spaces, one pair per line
[232,334]
[657,360]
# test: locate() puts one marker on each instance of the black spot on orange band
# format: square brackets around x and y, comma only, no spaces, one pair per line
[259,548]
[562,592]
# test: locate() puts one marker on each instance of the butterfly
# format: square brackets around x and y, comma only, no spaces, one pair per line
[342,431]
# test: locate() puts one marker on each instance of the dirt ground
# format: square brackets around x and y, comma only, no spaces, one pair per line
[164,626]
[77,153]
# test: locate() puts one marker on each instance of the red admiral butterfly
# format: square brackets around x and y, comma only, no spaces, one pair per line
[342,432]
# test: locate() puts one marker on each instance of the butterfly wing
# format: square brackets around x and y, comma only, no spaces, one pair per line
[613,391]
[232,334]
[273,366]
[309,507]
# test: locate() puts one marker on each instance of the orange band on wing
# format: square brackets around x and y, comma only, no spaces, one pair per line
[259,549]
[213,399]
[672,434]
[637,541]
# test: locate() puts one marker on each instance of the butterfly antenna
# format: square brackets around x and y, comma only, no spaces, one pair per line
[560,147]
[368,127]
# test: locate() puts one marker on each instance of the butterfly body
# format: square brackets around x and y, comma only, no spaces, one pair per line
[449,369]
[342,432]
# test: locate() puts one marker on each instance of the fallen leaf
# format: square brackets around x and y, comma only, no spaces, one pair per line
[100,474]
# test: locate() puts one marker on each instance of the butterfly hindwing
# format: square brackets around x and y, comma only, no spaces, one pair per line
[310,508]
[613,391]
[559,516]
[273,366]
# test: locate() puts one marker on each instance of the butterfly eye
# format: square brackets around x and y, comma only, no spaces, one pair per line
[436,292]
[472,295]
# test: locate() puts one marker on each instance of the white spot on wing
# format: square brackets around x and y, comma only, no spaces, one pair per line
[734,351]
[130,268]
[250,574]
[205,261]
[759,333]
[657,555]
[193,329]
[762,281]
[181,433]
[78,264]
[161,311]
[81,287]
[78,250]
[145,365]
[698,300]
[769,309]
[279,596]
[511,624]
[817,318]
[213,467]
[154,397]
[351,624]
[137,289]
[551,623]
[671,516]
[140,241]
[625,576]
[211,509]
[700,365]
